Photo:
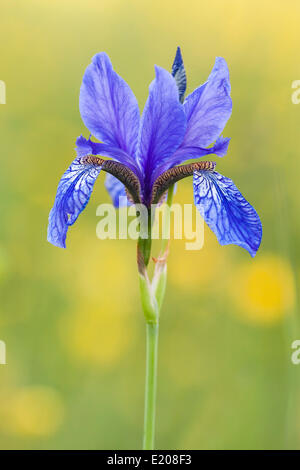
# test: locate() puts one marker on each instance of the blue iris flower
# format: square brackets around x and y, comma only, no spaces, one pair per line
[145,152]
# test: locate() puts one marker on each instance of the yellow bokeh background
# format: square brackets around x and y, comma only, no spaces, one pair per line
[71,319]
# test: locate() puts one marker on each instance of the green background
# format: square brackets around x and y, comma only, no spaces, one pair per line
[71,319]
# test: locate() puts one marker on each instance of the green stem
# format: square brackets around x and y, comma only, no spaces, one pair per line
[152,295]
[150,390]
[144,244]
[166,229]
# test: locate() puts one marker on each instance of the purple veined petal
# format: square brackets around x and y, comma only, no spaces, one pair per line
[208,108]
[116,190]
[73,194]
[108,107]
[226,211]
[86,147]
[162,125]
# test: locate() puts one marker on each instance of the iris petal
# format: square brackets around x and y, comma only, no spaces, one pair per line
[162,125]
[226,211]
[108,107]
[219,148]
[208,108]
[86,147]
[73,194]
[178,72]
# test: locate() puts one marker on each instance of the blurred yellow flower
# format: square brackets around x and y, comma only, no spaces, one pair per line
[98,334]
[34,411]
[264,289]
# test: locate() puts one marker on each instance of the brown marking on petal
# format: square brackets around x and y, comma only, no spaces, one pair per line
[128,195]
[120,171]
[126,176]
[92,160]
[162,199]
[171,176]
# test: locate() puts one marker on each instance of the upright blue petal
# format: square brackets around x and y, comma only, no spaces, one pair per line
[108,107]
[116,190]
[221,146]
[86,147]
[178,72]
[162,125]
[226,211]
[182,154]
[208,108]
[73,194]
